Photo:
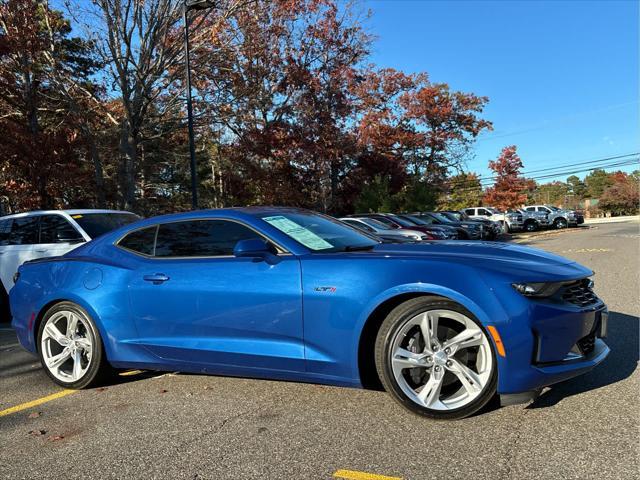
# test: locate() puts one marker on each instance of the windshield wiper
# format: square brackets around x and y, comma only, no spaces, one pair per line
[358,248]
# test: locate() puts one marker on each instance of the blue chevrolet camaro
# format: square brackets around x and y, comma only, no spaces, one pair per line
[290,294]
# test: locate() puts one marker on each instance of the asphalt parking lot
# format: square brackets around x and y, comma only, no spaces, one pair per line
[154,425]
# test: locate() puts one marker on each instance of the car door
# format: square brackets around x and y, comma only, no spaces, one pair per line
[19,247]
[193,301]
[57,237]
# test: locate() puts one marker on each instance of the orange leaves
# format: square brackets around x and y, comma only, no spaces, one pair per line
[509,189]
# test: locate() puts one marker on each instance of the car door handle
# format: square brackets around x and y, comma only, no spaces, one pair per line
[156,279]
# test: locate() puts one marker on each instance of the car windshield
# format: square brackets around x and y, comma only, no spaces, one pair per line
[402,221]
[96,224]
[375,223]
[441,217]
[416,220]
[318,232]
[452,216]
[555,209]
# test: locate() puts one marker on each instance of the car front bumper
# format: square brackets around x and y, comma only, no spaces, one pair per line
[559,343]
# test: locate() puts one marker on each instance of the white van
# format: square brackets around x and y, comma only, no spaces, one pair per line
[27,236]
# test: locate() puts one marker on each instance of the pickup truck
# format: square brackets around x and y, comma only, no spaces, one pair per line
[510,221]
[558,218]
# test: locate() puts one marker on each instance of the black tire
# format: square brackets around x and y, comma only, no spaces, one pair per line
[98,369]
[394,321]
[5,311]
[560,223]
[530,226]
[462,235]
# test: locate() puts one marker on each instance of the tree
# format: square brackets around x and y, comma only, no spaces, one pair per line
[577,187]
[597,182]
[623,197]
[553,192]
[509,189]
[39,63]
[463,190]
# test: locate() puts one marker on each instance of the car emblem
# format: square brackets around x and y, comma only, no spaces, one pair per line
[325,289]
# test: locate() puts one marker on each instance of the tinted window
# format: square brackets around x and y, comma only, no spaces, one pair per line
[482,211]
[96,224]
[5,229]
[140,241]
[56,229]
[24,231]
[531,209]
[200,238]
[470,211]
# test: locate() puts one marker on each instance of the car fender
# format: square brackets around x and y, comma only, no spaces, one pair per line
[491,314]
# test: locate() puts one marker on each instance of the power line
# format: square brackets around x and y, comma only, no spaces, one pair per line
[557,170]
[571,172]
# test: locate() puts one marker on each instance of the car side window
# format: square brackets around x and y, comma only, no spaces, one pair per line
[140,241]
[200,238]
[544,209]
[531,209]
[24,231]
[470,211]
[482,211]
[5,230]
[56,229]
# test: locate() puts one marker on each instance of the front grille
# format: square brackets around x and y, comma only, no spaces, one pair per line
[579,293]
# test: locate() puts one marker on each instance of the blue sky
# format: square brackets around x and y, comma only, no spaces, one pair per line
[562,76]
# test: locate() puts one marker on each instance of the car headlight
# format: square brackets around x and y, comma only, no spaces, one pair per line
[415,237]
[539,290]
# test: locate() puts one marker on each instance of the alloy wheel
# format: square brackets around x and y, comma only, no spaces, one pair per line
[67,346]
[441,360]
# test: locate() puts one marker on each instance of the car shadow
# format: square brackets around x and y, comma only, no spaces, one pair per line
[623,339]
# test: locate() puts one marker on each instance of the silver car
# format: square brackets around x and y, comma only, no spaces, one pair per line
[379,229]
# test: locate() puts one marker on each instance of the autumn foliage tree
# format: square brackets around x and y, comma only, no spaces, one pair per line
[510,188]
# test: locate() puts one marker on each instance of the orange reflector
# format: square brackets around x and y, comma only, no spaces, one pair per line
[496,338]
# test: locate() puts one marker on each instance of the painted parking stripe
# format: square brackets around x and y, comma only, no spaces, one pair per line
[35,403]
[355,475]
[130,373]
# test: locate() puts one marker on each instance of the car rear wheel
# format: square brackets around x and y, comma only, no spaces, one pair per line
[530,226]
[70,347]
[435,359]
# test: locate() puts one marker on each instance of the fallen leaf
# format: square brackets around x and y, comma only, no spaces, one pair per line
[163,391]
[55,438]
[101,389]
[37,433]
[34,415]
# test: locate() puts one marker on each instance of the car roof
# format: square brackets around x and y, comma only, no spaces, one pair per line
[74,211]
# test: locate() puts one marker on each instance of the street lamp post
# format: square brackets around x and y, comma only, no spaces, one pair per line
[192,5]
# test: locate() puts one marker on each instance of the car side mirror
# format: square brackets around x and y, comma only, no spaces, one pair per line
[256,248]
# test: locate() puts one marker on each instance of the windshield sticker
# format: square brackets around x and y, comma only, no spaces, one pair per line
[298,232]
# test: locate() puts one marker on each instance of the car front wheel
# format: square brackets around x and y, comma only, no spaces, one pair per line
[70,347]
[560,223]
[435,359]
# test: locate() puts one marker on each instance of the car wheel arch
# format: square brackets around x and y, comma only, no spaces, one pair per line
[365,354]
[51,303]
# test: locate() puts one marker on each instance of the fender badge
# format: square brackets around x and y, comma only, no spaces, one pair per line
[325,289]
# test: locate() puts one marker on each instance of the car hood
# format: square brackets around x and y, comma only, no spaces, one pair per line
[515,260]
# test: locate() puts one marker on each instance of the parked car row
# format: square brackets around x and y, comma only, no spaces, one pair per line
[528,218]
[419,226]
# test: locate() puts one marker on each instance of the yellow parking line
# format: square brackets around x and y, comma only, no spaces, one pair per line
[35,403]
[354,475]
[129,373]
